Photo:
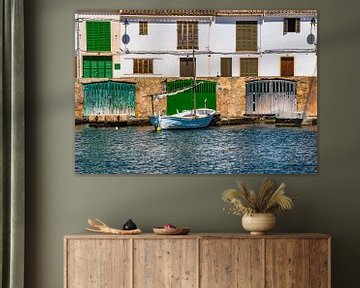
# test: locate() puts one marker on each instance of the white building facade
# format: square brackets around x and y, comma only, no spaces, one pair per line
[225,43]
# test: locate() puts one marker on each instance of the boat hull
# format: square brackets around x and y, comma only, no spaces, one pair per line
[184,120]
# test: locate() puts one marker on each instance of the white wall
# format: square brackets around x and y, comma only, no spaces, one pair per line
[215,34]
[164,65]
[304,64]
[223,36]
[161,37]
[272,36]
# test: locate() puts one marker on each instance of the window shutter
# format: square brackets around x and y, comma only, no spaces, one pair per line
[297,25]
[187,35]
[195,37]
[285,26]
[108,68]
[86,68]
[226,67]
[97,67]
[101,69]
[151,66]
[179,34]
[246,36]
[143,28]
[248,67]
[98,36]
[142,66]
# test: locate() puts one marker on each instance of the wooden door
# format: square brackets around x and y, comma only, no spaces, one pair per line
[297,263]
[287,263]
[231,263]
[98,263]
[187,67]
[226,67]
[165,263]
[287,66]
[205,94]
[109,98]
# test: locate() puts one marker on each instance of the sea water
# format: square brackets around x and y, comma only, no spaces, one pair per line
[239,149]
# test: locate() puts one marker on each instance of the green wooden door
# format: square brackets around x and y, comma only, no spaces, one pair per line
[109,98]
[205,96]
[97,67]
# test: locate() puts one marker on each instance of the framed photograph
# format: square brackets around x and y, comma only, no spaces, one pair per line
[196,92]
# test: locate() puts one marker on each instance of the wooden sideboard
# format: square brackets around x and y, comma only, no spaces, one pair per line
[197,261]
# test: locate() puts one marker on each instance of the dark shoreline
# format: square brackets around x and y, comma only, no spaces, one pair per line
[217,121]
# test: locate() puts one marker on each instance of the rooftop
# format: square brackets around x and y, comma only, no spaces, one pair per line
[185,12]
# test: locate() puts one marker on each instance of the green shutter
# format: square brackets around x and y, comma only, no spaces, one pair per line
[117,66]
[86,68]
[108,68]
[101,69]
[98,36]
[97,67]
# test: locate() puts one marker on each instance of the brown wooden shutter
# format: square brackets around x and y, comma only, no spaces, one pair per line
[226,67]
[143,28]
[287,66]
[143,66]
[187,35]
[179,34]
[151,66]
[195,38]
[248,67]
[285,26]
[297,25]
[246,36]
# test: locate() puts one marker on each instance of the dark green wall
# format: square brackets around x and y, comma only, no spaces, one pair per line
[59,202]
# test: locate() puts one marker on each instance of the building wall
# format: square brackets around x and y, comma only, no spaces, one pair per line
[304,64]
[272,36]
[216,34]
[81,40]
[230,95]
[161,36]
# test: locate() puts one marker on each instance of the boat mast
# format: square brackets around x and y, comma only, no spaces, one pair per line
[194,80]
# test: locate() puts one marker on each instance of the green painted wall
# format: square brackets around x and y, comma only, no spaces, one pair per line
[59,202]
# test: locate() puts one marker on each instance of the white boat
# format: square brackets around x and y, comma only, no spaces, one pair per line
[187,119]
[184,120]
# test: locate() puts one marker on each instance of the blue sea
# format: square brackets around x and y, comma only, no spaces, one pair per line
[239,149]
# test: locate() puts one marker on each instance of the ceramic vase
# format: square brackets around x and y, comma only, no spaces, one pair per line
[259,223]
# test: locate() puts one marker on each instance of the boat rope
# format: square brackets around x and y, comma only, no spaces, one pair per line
[161,95]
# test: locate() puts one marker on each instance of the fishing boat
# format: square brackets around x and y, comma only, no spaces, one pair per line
[187,119]
[184,120]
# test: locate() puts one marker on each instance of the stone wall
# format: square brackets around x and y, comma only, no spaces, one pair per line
[230,100]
